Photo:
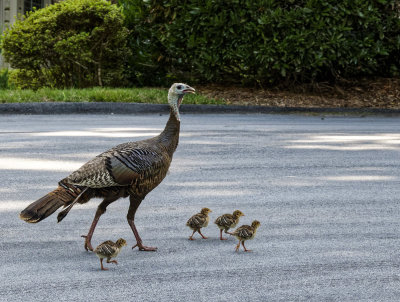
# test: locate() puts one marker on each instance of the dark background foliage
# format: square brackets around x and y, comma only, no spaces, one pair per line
[84,43]
[261,42]
[74,43]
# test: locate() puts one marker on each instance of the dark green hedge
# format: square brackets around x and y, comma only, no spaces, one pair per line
[254,41]
[74,43]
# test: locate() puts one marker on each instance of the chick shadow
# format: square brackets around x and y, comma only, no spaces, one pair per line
[212,242]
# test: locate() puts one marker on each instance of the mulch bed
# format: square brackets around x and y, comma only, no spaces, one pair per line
[383,93]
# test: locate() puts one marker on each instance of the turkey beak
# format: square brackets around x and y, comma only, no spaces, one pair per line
[189,90]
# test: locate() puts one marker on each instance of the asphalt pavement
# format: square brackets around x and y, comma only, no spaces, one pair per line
[325,189]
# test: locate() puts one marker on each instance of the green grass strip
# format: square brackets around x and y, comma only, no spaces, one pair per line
[122,95]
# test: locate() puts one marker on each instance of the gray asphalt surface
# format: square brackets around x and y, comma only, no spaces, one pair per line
[326,192]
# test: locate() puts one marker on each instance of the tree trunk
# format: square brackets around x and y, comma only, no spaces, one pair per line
[99,68]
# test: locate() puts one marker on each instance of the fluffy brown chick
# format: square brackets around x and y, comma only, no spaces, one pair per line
[198,221]
[246,232]
[228,221]
[109,249]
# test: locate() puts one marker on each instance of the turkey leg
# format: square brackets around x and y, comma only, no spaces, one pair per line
[112,261]
[220,235]
[238,246]
[102,267]
[134,204]
[101,209]
[204,237]
[246,250]
[191,237]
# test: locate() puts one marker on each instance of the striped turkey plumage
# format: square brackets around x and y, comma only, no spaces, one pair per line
[246,232]
[108,250]
[198,221]
[227,221]
[130,169]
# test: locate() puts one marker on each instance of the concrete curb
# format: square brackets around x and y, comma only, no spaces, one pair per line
[142,108]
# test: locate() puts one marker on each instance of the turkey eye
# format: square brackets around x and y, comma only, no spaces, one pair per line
[179,87]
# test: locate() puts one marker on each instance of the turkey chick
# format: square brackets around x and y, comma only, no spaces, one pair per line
[198,221]
[246,232]
[109,249]
[228,221]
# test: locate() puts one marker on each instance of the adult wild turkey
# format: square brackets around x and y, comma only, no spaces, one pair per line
[131,169]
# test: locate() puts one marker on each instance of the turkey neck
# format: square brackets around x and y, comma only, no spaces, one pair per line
[169,138]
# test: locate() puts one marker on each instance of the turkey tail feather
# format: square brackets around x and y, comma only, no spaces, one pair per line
[64,212]
[48,204]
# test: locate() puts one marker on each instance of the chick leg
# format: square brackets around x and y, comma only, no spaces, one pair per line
[134,204]
[191,237]
[220,235]
[246,250]
[204,237]
[102,267]
[237,246]
[101,209]
[112,261]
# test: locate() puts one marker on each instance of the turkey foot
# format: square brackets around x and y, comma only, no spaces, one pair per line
[102,267]
[204,237]
[220,236]
[237,247]
[88,244]
[246,250]
[139,243]
[191,237]
[144,248]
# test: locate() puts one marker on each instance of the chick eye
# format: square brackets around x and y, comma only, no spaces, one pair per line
[179,87]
